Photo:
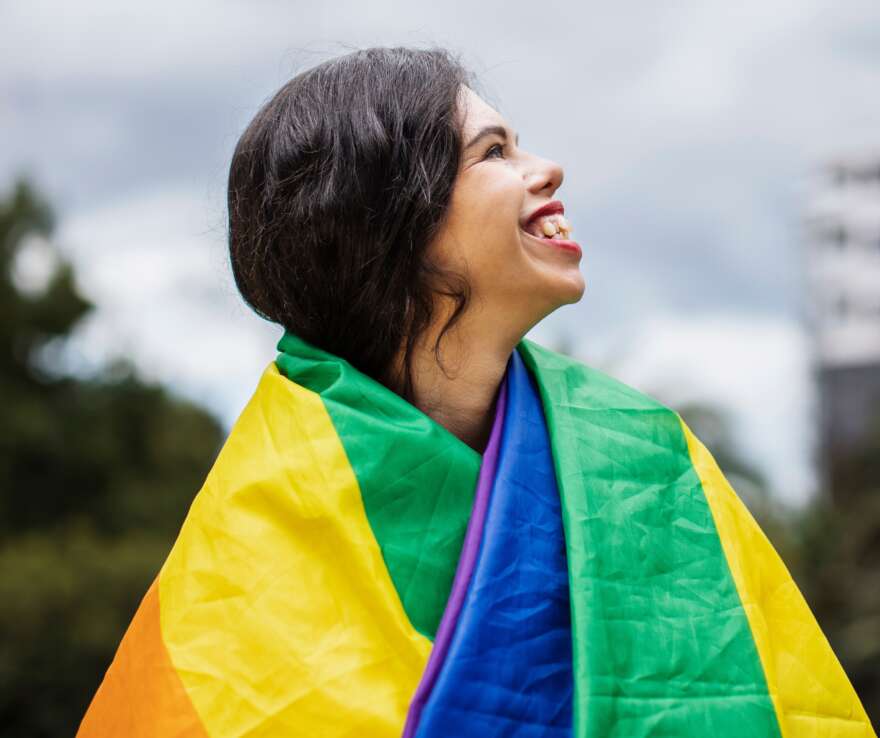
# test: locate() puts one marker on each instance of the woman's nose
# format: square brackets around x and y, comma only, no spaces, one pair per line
[545,174]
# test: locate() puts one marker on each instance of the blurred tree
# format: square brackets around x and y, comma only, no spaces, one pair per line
[96,476]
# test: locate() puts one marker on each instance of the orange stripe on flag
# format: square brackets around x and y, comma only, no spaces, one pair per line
[142,695]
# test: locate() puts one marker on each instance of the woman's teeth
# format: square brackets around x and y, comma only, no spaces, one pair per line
[551,226]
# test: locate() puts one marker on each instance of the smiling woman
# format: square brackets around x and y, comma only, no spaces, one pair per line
[500,194]
[422,523]
[375,203]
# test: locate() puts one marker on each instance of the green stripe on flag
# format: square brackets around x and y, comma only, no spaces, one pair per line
[661,643]
[417,479]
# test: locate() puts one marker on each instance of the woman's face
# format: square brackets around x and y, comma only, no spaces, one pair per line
[515,277]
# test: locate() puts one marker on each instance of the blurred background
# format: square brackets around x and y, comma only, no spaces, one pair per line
[722,172]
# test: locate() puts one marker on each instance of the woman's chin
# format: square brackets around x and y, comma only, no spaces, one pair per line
[564,282]
[551,292]
[571,289]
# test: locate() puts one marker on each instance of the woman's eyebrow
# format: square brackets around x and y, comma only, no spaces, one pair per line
[488,131]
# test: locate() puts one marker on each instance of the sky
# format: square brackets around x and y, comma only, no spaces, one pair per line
[687,132]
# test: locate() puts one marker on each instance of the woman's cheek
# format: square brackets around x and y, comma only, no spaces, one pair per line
[498,186]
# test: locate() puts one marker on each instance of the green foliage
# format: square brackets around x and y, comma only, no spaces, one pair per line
[96,476]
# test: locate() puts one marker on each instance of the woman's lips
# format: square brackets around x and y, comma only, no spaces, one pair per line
[564,244]
[550,208]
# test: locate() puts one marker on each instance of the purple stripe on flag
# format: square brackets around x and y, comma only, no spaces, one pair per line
[470,548]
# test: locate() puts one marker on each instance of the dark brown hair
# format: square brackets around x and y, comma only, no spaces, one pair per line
[336,188]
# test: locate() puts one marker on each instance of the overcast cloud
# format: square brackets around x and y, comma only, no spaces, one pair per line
[686,130]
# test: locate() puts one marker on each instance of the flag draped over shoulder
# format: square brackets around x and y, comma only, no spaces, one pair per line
[351,568]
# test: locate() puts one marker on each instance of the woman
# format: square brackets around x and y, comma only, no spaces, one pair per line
[423,524]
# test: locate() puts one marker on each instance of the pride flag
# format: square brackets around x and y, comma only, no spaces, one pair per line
[351,568]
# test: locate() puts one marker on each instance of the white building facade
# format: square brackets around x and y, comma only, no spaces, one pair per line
[843,314]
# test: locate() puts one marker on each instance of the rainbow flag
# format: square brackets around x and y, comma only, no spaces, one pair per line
[351,568]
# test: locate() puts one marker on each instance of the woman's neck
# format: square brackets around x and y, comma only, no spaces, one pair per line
[464,401]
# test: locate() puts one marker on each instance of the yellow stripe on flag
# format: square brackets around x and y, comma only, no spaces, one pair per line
[276,607]
[810,690]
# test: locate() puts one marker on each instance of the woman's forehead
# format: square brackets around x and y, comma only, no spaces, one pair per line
[477,114]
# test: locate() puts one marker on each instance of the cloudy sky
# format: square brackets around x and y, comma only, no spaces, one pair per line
[686,131]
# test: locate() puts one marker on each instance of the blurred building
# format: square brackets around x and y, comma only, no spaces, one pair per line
[843,314]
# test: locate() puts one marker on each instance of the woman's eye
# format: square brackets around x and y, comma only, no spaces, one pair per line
[499,147]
